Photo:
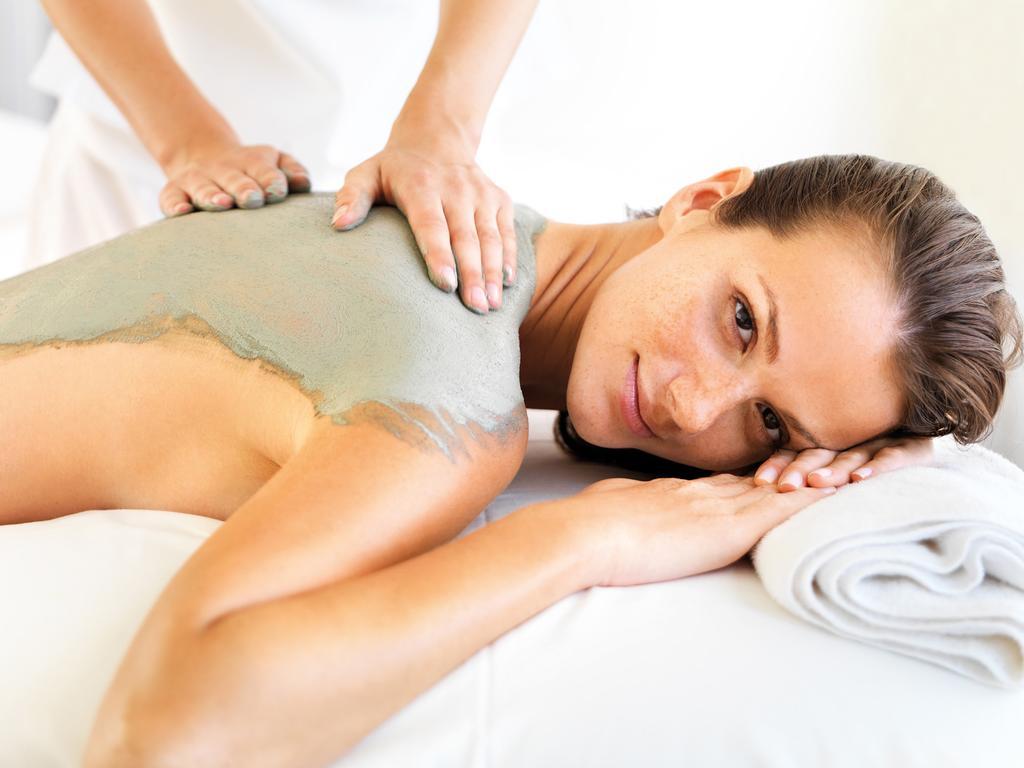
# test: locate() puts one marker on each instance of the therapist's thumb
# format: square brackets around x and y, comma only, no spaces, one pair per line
[354,199]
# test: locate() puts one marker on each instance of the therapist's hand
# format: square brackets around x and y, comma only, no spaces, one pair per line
[223,175]
[830,468]
[462,222]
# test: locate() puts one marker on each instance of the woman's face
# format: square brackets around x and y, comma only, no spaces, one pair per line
[690,315]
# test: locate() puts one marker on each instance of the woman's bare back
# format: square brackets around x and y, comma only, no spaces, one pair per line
[178,423]
[126,381]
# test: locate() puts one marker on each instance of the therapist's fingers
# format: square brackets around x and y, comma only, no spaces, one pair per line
[466,247]
[426,219]
[507,228]
[204,192]
[241,186]
[261,165]
[296,173]
[491,254]
[353,201]
[174,201]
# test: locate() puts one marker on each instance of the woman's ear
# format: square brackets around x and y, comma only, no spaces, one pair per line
[704,195]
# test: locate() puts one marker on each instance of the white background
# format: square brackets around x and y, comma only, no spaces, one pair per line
[615,103]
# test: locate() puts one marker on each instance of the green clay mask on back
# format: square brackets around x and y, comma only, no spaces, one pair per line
[350,317]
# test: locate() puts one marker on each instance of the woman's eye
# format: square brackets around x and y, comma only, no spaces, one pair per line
[744,321]
[772,424]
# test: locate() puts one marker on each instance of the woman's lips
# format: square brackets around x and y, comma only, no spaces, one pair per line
[629,402]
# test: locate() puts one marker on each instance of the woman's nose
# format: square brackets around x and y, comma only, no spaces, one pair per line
[694,405]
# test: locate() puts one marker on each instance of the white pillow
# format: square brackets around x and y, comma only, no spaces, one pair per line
[705,671]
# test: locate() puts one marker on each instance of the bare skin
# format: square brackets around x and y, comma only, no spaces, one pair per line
[331,586]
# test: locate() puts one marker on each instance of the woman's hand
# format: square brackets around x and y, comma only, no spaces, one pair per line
[638,532]
[462,222]
[829,468]
[222,175]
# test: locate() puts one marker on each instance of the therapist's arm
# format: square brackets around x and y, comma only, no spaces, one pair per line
[207,167]
[462,221]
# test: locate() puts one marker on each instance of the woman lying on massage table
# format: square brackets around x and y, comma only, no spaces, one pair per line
[347,420]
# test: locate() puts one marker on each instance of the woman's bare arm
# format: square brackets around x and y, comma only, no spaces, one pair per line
[301,680]
[353,501]
[298,679]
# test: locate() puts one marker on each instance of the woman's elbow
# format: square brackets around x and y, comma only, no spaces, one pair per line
[153,742]
[155,726]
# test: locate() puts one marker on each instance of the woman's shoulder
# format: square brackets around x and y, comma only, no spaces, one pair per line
[459,469]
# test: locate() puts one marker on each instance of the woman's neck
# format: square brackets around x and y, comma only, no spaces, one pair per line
[573,261]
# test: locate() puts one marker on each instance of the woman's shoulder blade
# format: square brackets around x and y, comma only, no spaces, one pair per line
[351,317]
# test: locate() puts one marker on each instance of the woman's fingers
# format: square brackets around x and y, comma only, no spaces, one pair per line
[793,475]
[820,467]
[772,468]
[844,466]
[296,173]
[896,453]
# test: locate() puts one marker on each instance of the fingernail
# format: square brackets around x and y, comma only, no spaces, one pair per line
[493,295]
[768,475]
[791,479]
[823,472]
[478,300]
[509,278]
[338,214]
[252,199]
[861,473]
[829,489]
[448,277]
[181,208]
[221,200]
[276,192]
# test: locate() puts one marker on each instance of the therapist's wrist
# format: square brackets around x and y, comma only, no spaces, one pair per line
[438,128]
[177,149]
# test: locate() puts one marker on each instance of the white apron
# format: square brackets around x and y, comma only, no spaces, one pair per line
[321,80]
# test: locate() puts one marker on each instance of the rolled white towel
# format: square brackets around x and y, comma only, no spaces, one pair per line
[926,561]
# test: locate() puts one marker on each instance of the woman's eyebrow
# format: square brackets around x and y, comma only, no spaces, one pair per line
[796,426]
[771,340]
[771,336]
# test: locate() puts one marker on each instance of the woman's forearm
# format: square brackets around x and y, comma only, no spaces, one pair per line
[120,43]
[475,42]
[300,680]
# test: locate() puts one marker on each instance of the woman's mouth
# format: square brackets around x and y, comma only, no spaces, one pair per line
[629,402]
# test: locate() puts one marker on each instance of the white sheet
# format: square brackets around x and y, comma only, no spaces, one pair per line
[706,671]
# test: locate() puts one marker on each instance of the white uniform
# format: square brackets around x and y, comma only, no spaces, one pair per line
[321,80]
